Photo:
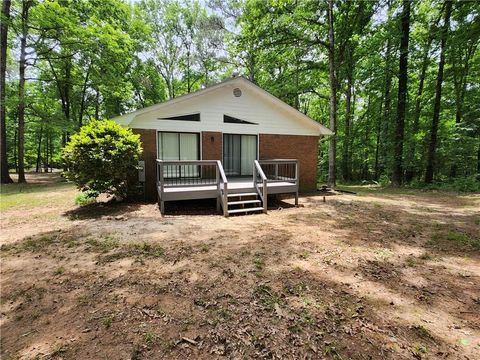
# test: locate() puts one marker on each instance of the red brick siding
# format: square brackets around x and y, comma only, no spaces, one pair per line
[149,145]
[212,145]
[303,148]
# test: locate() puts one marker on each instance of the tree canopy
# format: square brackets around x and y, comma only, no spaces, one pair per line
[399,80]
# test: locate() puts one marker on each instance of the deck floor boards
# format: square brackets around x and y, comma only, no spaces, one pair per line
[232,185]
[235,185]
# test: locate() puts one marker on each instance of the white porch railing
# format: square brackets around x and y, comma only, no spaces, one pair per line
[195,179]
[192,174]
[260,178]
[282,170]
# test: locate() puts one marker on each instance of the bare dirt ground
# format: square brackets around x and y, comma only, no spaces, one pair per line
[380,274]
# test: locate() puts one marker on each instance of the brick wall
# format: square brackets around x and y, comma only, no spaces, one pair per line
[212,145]
[303,148]
[149,145]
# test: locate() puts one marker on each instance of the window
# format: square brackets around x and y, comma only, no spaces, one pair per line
[178,146]
[189,117]
[233,120]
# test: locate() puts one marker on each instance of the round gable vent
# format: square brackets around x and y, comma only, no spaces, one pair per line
[237,92]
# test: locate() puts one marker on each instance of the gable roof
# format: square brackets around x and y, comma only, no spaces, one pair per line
[126,119]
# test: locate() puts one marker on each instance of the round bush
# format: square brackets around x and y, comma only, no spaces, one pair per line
[102,158]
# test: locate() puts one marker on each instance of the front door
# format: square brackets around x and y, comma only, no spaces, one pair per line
[239,153]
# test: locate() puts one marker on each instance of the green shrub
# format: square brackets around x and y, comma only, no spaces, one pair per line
[384,180]
[101,158]
[84,198]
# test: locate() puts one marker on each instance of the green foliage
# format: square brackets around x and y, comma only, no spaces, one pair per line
[384,180]
[101,158]
[100,59]
[461,184]
[84,198]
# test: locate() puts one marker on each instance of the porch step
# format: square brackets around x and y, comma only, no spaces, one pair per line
[242,194]
[236,211]
[244,202]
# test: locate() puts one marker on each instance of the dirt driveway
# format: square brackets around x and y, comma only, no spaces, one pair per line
[380,274]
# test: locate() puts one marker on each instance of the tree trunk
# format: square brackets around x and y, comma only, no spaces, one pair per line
[50,151]
[45,150]
[438,96]
[410,171]
[97,103]
[365,172]
[402,96]
[460,83]
[346,174]
[66,91]
[21,92]
[377,148]
[189,85]
[478,159]
[82,102]
[332,153]
[5,176]
[385,127]
[63,87]
[15,148]
[39,149]
[251,67]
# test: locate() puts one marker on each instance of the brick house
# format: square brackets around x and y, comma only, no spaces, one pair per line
[235,122]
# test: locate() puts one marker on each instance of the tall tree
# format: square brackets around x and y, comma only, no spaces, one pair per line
[346,172]
[385,126]
[162,16]
[432,147]
[4,22]
[412,149]
[402,95]
[332,153]
[26,5]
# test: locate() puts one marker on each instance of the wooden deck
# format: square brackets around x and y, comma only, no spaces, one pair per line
[206,179]
[235,186]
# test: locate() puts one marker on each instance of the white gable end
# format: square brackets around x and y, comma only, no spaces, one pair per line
[270,115]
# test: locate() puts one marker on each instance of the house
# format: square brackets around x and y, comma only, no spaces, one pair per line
[231,128]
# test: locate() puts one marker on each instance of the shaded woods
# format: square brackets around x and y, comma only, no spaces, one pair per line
[397,80]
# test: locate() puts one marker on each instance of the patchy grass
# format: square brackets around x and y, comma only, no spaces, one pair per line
[59,271]
[139,250]
[422,332]
[454,236]
[43,190]
[149,338]
[58,349]
[385,273]
[105,244]
[107,321]
[267,297]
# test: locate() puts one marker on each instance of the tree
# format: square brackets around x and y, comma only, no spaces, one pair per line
[4,20]
[101,157]
[438,95]
[26,5]
[402,95]
[412,148]
[162,16]
[97,59]
[332,153]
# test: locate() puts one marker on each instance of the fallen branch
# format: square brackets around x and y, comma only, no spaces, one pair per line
[346,191]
